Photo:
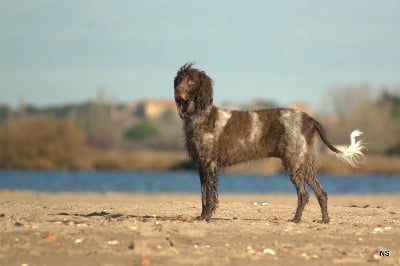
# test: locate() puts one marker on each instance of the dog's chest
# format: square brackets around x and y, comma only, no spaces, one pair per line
[200,140]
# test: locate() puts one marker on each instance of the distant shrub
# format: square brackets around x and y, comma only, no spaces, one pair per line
[394,150]
[141,131]
[42,143]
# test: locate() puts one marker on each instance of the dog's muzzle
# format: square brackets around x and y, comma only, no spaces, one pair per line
[181,101]
[181,105]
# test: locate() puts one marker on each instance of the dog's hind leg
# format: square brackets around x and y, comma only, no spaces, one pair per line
[302,196]
[297,176]
[311,178]
[209,196]
[322,197]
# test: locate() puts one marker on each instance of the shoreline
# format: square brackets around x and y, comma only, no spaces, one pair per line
[152,160]
[161,229]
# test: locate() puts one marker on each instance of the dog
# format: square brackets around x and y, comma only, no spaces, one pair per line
[216,138]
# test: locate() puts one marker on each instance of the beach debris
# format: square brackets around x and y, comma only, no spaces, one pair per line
[269,251]
[18,224]
[50,237]
[78,240]
[260,203]
[2,215]
[131,246]
[95,214]
[113,242]
[359,206]
[171,244]
[158,226]
[277,218]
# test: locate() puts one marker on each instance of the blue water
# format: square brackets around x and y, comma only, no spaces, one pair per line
[121,181]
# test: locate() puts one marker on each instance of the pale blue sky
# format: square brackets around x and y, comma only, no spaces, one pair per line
[55,52]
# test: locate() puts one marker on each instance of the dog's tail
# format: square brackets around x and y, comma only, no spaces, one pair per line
[353,154]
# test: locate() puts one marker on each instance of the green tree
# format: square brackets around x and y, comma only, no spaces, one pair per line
[142,130]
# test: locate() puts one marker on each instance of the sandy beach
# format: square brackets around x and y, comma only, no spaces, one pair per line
[161,229]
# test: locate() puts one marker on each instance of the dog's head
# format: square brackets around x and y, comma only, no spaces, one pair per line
[193,90]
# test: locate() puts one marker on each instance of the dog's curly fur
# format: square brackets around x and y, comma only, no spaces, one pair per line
[216,138]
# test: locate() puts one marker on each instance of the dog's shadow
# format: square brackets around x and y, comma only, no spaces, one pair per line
[107,216]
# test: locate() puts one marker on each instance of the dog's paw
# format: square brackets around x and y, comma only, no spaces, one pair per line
[295,220]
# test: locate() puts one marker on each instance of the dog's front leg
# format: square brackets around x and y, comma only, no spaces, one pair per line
[209,196]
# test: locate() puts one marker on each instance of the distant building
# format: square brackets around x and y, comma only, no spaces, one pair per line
[155,108]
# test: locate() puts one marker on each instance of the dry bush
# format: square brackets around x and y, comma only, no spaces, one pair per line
[42,143]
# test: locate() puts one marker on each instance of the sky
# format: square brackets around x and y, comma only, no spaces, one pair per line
[57,52]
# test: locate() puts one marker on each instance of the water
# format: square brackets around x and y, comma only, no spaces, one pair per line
[153,182]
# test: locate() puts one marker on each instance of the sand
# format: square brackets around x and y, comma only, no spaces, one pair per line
[161,229]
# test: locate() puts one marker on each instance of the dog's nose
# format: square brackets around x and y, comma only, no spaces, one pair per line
[181,93]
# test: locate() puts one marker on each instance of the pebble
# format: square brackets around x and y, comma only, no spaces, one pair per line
[304,255]
[269,251]
[376,257]
[50,237]
[250,250]
[260,203]
[377,230]
[78,240]
[112,242]
[82,225]
[146,262]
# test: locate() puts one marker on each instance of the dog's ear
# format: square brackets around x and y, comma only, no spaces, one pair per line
[204,97]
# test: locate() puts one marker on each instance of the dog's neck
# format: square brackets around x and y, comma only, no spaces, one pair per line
[198,117]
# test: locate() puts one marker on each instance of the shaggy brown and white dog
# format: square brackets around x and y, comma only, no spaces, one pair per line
[217,138]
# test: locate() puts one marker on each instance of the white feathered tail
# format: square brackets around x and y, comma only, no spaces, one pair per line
[353,154]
